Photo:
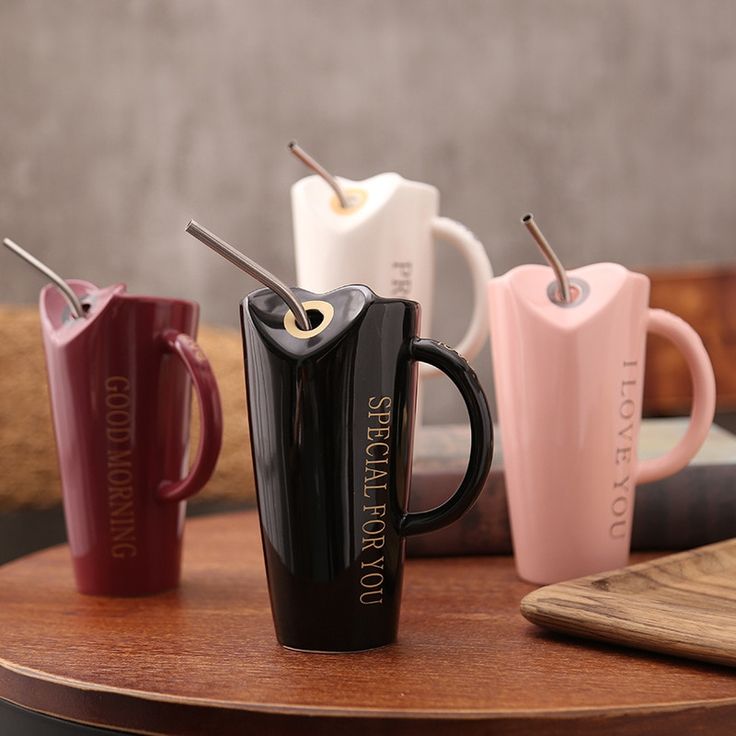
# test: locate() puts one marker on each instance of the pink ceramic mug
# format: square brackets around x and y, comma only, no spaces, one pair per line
[120,380]
[568,381]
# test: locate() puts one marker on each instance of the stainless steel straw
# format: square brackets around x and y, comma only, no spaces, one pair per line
[69,294]
[560,273]
[251,267]
[320,170]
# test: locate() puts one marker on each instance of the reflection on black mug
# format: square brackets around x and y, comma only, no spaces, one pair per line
[331,414]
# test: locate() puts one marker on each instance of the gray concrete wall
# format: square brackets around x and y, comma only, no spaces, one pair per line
[615,122]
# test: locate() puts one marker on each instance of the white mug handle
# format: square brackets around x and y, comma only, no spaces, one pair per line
[452,232]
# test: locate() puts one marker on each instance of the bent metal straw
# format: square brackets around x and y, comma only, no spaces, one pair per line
[252,268]
[314,165]
[562,278]
[69,294]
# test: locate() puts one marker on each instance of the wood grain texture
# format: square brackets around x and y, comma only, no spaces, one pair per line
[684,604]
[203,659]
[705,297]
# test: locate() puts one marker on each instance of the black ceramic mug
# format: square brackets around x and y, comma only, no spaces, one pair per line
[331,414]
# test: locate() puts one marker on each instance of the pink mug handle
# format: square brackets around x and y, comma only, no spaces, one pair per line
[210,436]
[688,342]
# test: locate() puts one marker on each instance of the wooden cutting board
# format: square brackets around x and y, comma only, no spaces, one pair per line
[683,604]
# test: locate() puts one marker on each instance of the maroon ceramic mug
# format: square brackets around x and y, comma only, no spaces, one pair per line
[120,382]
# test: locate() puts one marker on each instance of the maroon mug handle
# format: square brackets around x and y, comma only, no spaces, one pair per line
[210,436]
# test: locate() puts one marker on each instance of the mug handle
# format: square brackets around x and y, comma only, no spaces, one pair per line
[463,376]
[454,233]
[210,436]
[688,342]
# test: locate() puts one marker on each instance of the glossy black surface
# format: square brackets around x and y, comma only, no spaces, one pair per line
[331,422]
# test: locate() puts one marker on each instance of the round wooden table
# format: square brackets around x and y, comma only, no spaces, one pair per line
[203,659]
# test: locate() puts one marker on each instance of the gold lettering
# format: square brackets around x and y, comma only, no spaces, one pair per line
[125,534]
[364,597]
[373,528]
[383,402]
[119,477]
[378,433]
[121,494]
[115,458]
[118,418]
[121,551]
[376,563]
[121,499]
[372,580]
[372,474]
[117,401]
[118,435]
[374,542]
[369,449]
[117,383]
[118,509]
[368,488]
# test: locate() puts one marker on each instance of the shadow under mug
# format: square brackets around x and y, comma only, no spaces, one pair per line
[331,415]
[120,384]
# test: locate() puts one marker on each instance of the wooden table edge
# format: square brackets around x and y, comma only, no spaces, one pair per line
[34,690]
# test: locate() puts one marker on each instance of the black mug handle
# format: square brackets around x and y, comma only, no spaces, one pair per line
[456,368]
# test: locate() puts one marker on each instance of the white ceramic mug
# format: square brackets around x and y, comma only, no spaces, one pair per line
[384,240]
